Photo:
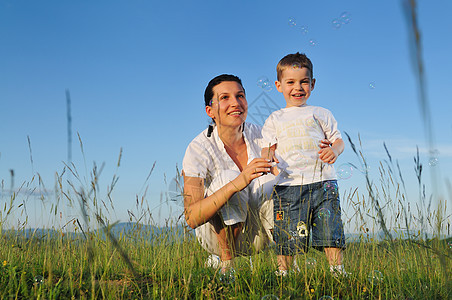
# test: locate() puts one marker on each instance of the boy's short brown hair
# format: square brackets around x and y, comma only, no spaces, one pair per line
[296,60]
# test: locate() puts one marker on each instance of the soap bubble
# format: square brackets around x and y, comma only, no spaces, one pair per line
[264,83]
[270,297]
[268,87]
[311,263]
[292,22]
[344,171]
[372,85]
[336,23]
[375,277]
[296,66]
[345,17]
[433,160]
[330,187]
[304,30]
[38,280]
[176,190]
[227,277]
[324,213]
[301,162]
[261,81]
[312,42]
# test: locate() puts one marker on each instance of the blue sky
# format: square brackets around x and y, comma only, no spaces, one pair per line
[137,70]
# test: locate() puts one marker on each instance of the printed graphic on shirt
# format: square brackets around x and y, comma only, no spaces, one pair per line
[298,135]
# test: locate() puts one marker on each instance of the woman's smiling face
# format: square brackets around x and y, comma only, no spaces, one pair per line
[228,105]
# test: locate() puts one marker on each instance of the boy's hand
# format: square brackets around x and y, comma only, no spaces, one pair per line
[325,144]
[329,152]
[269,153]
[328,155]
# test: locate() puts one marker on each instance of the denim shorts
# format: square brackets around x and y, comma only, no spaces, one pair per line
[300,211]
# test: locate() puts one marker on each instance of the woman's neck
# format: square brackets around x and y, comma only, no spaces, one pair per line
[235,145]
[231,137]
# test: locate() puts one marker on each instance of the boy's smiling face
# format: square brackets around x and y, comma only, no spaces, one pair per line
[296,85]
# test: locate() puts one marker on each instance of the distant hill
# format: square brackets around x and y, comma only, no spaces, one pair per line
[133,230]
[124,229]
[137,230]
[399,235]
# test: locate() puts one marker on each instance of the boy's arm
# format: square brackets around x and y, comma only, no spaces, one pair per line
[269,152]
[330,154]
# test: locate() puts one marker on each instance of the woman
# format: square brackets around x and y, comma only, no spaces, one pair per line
[226,183]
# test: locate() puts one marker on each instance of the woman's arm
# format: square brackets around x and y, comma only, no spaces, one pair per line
[198,210]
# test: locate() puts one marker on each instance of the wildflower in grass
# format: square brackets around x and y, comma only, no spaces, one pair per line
[5,263]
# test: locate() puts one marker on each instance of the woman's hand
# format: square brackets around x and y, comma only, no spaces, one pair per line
[199,210]
[256,168]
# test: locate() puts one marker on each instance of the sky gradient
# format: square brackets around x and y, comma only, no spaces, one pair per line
[137,70]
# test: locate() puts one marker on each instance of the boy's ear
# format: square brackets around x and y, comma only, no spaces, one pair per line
[278,86]
[312,83]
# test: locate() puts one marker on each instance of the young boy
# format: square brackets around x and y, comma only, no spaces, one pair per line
[307,142]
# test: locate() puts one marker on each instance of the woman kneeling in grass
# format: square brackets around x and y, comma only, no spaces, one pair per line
[226,183]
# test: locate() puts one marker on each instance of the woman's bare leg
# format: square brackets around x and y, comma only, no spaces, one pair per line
[227,237]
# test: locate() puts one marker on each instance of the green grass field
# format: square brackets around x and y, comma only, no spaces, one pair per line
[170,267]
[395,253]
[390,257]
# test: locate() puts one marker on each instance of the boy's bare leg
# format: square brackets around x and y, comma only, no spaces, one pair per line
[334,256]
[284,262]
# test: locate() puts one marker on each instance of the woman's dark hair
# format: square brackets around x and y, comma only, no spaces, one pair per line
[208,94]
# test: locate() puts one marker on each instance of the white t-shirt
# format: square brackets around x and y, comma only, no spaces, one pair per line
[297,131]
